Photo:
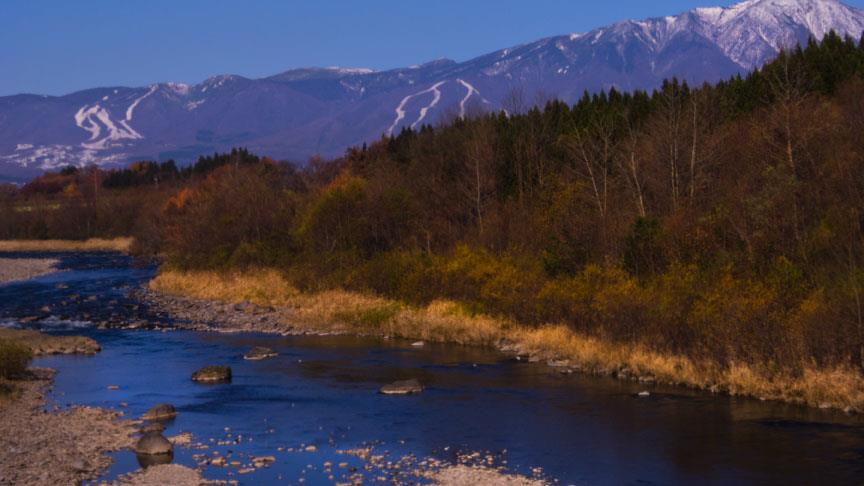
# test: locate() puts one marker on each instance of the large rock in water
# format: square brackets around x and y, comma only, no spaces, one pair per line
[153,444]
[405,387]
[163,411]
[212,374]
[258,353]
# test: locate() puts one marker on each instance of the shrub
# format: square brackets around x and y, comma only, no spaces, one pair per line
[14,359]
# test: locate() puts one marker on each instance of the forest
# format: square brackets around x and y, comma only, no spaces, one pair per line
[721,222]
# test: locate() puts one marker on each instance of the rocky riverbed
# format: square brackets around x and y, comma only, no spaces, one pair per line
[14,269]
[58,447]
[45,344]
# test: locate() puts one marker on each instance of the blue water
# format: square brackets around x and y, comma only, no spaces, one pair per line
[323,391]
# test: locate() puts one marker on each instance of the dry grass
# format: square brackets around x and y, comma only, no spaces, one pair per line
[93,244]
[444,321]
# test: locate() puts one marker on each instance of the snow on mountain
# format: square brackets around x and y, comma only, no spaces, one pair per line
[302,112]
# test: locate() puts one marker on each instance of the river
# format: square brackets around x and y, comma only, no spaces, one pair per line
[322,391]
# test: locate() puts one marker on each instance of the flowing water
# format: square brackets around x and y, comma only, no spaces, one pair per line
[322,391]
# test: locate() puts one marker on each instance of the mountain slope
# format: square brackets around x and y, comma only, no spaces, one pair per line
[303,112]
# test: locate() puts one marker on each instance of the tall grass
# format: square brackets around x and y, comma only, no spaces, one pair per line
[14,359]
[448,321]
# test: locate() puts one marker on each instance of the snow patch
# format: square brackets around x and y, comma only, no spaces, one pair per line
[194,104]
[400,110]
[471,91]
[131,109]
[343,70]
[435,99]
[92,119]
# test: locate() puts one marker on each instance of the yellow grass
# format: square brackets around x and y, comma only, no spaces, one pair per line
[444,321]
[93,244]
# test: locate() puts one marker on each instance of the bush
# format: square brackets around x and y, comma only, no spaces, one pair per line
[14,359]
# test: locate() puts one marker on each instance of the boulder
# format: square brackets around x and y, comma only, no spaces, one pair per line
[258,353]
[405,387]
[153,444]
[212,374]
[153,427]
[163,411]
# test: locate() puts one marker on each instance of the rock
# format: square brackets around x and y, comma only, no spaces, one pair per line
[113,387]
[212,374]
[153,427]
[163,411]
[259,353]
[418,344]
[184,439]
[153,444]
[263,461]
[80,465]
[311,448]
[405,387]
[644,394]
[218,461]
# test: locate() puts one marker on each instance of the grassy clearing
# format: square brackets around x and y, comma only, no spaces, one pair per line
[444,321]
[94,244]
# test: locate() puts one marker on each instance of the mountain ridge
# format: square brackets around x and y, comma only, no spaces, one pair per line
[323,110]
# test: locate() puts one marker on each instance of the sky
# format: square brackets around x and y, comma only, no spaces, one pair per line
[56,47]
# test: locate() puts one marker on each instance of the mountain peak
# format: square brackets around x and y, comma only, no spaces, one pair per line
[322,110]
[752,31]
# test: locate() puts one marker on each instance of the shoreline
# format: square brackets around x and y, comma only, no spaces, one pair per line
[54,446]
[57,446]
[21,269]
[120,245]
[263,301]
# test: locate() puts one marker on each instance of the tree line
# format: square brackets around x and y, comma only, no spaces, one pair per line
[722,222]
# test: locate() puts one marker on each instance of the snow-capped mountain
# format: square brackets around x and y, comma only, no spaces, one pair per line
[303,112]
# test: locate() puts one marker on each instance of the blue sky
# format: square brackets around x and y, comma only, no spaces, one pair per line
[60,46]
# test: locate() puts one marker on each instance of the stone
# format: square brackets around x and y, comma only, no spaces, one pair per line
[153,444]
[418,344]
[80,465]
[212,374]
[163,411]
[644,394]
[263,461]
[259,353]
[405,387]
[153,427]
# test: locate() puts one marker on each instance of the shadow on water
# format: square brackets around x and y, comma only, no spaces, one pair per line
[323,391]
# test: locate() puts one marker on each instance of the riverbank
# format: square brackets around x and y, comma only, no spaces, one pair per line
[16,269]
[121,245]
[44,344]
[265,301]
[60,447]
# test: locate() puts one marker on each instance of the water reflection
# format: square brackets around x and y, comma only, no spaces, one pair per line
[323,391]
